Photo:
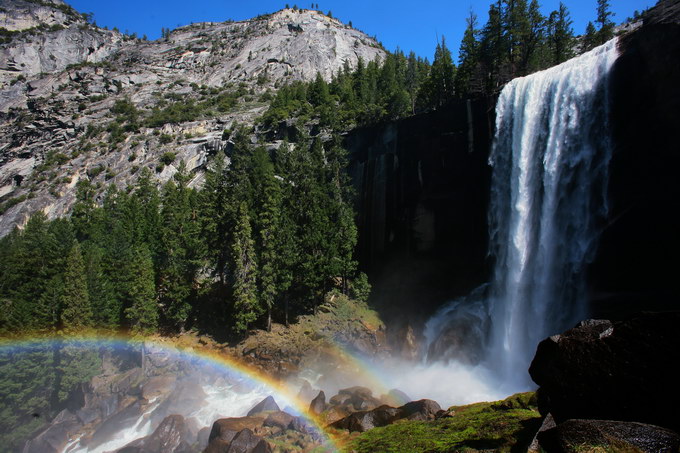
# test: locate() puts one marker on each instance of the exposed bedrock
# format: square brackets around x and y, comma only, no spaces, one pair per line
[423,185]
[637,264]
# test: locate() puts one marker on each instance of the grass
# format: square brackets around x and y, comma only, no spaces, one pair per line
[504,426]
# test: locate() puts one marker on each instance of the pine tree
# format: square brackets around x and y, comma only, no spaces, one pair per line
[244,273]
[147,198]
[28,271]
[560,35]
[413,80]
[468,58]
[517,29]
[606,25]
[590,38]
[181,249]
[75,300]
[267,224]
[533,41]
[438,89]
[215,225]
[84,210]
[492,49]
[142,310]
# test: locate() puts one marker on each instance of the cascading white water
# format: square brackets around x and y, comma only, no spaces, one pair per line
[550,157]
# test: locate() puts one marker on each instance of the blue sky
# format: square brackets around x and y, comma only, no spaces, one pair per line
[408,25]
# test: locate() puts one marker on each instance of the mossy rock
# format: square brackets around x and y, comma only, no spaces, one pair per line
[502,426]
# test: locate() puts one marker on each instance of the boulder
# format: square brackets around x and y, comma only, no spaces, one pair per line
[356,398]
[612,370]
[384,415]
[578,435]
[278,419]
[420,410]
[364,420]
[318,404]
[247,442]
[266,405]
[227,428]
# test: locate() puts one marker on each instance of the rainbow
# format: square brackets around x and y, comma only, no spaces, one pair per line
[215,359]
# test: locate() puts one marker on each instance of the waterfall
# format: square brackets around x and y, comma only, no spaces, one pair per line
[550,156]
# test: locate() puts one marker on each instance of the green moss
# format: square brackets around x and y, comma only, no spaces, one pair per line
[504,426]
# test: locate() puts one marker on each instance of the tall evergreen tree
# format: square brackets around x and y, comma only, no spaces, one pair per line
[215,225]
[492,49]
[439,88]
[181,249]
[560,35]
[468,59]
[606,25]
[533,40]
[267,221]
[142,311]
[244,273]
[75,299]
[590,38]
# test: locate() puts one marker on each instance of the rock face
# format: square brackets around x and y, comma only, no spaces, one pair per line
[48,37]
[423,185]
[612,371]
[640,241]
[60,77]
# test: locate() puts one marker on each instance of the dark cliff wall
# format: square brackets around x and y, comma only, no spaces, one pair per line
[423,186]
[637,264]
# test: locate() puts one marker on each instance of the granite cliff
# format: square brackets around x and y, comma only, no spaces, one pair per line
[75,100]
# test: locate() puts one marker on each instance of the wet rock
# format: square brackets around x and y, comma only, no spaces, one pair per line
[407,343]
[278,419]
[246,442]
[157,386]
[420,410]
[56,436]
[171,436]
[356,398]
[364,420]
[335,413]
[114,424]
[226,428]
[611,370]
[202,438]
[578,435]
[266,405]
[318,404]
[384,415]
[186,397]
